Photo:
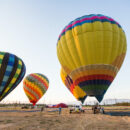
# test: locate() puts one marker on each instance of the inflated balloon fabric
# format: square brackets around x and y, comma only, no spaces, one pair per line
[91,50]
[12,71]
[35,85]
[75,90]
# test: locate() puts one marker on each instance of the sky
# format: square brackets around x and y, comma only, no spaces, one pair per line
[30,30]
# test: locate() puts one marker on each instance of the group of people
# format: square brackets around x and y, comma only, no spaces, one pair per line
[98,109]
[78,108]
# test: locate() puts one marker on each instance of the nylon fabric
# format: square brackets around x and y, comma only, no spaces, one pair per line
[91,46]
[9,72]
[35,85]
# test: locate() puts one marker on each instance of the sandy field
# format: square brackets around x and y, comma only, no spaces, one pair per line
[45,120]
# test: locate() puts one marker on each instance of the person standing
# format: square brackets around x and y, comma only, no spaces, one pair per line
[59,110]
[42,108]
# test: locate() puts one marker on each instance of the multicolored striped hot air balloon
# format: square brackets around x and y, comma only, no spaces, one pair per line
[78,93]
[91,50]
[35,85]
[12,71]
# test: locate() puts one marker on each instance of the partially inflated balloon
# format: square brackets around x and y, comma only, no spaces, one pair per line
[75,90]
[12,71]
[35,86]
[91,50]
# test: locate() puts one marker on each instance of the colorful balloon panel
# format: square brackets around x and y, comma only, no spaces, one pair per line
[91,50]
[12,71]
[35,86]
[75,90]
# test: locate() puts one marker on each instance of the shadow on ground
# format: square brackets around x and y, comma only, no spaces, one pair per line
[111,113]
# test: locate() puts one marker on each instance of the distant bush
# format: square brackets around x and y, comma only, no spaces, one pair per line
[122,104]
[19,105]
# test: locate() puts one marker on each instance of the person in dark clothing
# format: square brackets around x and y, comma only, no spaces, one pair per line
[59,110]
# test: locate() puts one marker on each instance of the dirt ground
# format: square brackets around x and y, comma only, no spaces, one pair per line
[53,121]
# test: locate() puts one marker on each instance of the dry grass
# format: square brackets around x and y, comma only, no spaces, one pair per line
[65,121]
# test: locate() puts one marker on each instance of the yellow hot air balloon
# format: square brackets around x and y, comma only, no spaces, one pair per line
[75,90]
[91,50]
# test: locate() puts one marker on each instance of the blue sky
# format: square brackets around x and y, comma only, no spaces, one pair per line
[30,29]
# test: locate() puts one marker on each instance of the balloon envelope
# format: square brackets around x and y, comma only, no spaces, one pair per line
[12,71]
[35,86]
[91,50]
[75,90]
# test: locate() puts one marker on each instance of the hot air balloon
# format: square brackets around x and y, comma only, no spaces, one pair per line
[12,71]
[91,50]
[78,93]
[35,85]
